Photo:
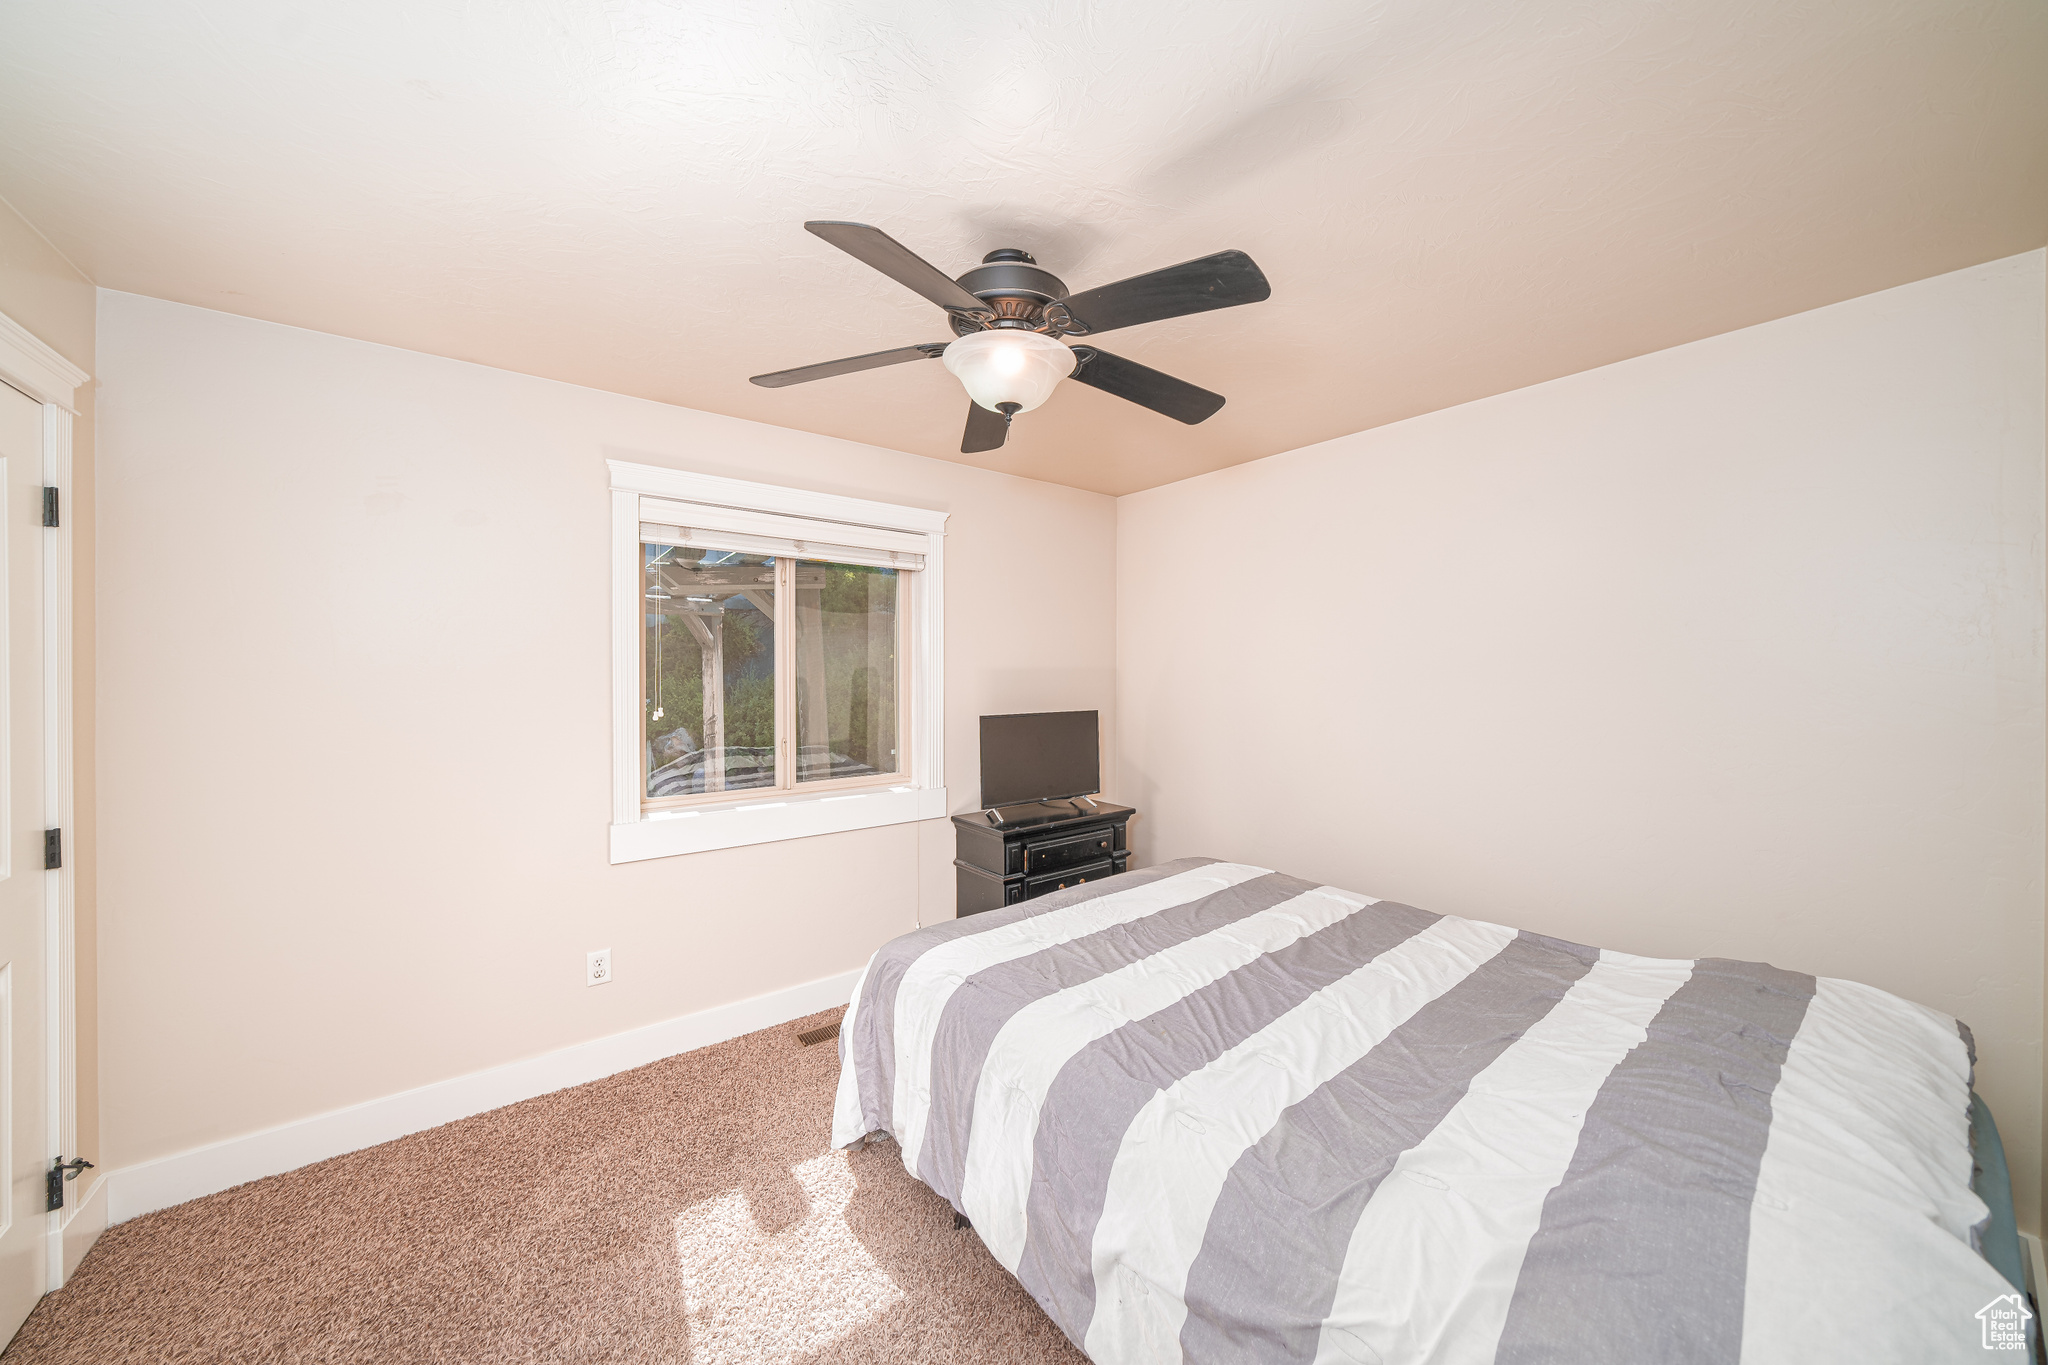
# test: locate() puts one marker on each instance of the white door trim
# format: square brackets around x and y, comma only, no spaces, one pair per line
[60,955]
[37,370]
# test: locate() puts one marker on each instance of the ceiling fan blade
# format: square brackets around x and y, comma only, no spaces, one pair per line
[985,430]
[873,360]
[1224,280]
[1146,387]
[872,246]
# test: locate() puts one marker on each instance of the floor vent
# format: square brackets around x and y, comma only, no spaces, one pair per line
[818,1035]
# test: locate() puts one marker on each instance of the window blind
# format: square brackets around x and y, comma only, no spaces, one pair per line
[723,528]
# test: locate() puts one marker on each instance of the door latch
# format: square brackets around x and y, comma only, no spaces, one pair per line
[61,1171]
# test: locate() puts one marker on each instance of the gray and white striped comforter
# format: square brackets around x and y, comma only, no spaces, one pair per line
[1207,1112]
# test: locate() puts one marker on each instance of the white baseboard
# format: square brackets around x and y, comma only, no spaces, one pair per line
[83,1220]
[151,1185]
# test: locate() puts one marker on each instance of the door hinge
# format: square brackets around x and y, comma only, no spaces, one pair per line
[53,1181]
[53,849]
[49,506]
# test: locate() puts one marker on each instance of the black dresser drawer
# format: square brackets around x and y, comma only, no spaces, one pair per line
[1073,876]
[1072,850]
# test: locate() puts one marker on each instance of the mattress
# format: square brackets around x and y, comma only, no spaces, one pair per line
[1209,1112]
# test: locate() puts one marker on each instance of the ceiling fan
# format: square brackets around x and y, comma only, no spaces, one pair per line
[1009,317]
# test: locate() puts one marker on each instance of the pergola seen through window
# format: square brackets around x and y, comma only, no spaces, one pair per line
[768,671]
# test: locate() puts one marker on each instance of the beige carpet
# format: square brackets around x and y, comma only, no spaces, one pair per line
[688,1211]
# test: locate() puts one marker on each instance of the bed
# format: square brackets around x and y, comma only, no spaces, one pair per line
[1209,1112]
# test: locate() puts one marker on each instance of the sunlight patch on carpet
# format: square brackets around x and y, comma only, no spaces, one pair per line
[768,1297]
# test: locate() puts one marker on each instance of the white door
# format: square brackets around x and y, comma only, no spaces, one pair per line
[23,1160]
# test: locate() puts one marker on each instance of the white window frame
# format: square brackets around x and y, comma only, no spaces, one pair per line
[759,816]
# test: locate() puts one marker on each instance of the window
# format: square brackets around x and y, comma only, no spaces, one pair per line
[781,649]
[767,671]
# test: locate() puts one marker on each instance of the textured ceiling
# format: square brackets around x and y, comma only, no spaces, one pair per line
[1452,199]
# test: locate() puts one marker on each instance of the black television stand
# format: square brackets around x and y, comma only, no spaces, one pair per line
[1028,851]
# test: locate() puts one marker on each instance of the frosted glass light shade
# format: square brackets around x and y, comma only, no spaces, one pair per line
[1008,366]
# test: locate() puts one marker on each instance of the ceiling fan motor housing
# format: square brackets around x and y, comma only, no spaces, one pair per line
[1012,283]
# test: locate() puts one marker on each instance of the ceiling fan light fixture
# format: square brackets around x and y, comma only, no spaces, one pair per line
[1008,365]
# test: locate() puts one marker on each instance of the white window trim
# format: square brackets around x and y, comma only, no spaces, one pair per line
[766,817]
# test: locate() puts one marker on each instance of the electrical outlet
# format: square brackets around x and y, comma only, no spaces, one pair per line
[597,967]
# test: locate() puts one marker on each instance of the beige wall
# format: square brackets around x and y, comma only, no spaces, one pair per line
[43,292]
[1734,649]
[354,777]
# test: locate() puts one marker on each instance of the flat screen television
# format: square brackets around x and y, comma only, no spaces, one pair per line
[1039,756]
